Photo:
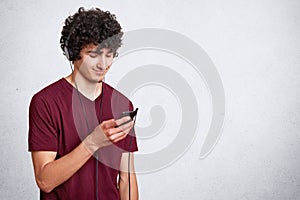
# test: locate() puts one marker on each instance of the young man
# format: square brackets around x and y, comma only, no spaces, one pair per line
[80,150]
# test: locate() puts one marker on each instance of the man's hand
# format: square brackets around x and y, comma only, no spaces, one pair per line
[107,133]
[50,173]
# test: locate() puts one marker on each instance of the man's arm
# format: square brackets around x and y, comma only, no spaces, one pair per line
[49,173]
[124,180]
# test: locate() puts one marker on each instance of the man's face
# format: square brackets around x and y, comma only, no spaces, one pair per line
[94,63]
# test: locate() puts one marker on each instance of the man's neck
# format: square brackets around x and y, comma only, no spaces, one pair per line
[89,89]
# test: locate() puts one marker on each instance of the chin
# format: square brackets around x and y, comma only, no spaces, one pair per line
[99,80]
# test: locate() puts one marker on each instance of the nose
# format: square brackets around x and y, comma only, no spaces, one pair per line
[101,67]
[102,62]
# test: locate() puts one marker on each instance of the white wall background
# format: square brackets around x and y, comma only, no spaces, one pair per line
[255,46]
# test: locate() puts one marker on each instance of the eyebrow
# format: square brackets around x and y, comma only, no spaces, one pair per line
[98,52]
[92,51]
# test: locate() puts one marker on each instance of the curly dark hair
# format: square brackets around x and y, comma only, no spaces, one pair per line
[90,26]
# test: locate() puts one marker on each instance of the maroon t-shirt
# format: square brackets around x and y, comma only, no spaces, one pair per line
[60,117]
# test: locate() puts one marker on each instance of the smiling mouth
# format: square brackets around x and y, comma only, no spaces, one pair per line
[99,71]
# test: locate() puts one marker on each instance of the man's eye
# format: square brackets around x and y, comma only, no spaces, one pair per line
[93,55]
[109,55]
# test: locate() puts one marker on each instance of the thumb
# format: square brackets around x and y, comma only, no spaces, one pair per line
[109,124]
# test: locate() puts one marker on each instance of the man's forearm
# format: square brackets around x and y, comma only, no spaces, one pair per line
[50,173]
[124,187]
[58,171]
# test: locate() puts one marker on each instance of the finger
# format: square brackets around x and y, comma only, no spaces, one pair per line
[124,127]
[120,138]
[123,120]
[108,124]
[126,131]
[114,133]
[117,137]
[128,126]
[115,130]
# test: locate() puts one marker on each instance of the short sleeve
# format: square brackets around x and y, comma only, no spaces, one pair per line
[42,135]
[130,143]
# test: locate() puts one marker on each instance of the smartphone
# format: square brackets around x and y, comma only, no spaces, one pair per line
[131,114]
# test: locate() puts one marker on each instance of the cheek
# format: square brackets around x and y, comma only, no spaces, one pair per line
[109,61]
[88,62]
